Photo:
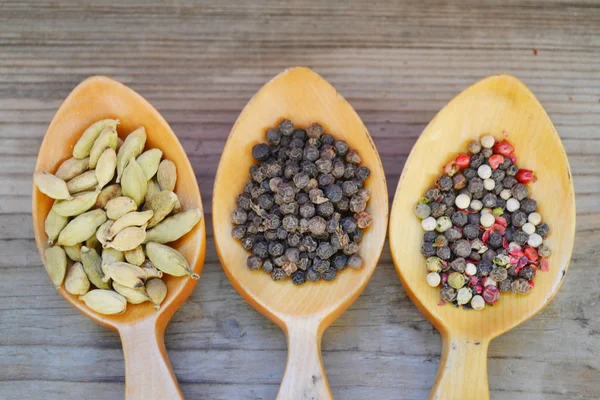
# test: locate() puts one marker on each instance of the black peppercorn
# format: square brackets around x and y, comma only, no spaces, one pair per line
[498,175]
[428,236]
[519,191]
[260,152]
[527,273]
[520,237]
[505,164]
[489,255]
[528,205]
[312,275]
[461,248]
[476,160]
[498,274]
[475,185]
[542,229]
[325,209]
[267,266]
[286,127]
[273,137]
[449,199]
[363,219]
[445,183]
[459,264]
[484,268]
[338,169]
[343,204]
[437,209]
[512,170]
[238,231]
[495,240]
[448,294]
[290,223]
[300,134]
[473,218]
[325,179]
[352,157]
[509,182]
[357,235]
[500,202]
[459,181]
[471,231]
[243,201]
[362,173]
[341,147]
[260,249]
[314,131]
[519,218]
[325,250]
[298,278]
[489,200]
[505,285]
[459,218]
[329,275]
[276,249]
[475,256]
[320,265]
[294,239]
[248,242]
[278,274]
[254,262]
[442,252]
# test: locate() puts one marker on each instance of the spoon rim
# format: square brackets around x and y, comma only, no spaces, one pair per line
[167,309]
[439,320]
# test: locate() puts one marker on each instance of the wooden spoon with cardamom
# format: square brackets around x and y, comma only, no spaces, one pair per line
[497,105]
[305,311]
[148,372]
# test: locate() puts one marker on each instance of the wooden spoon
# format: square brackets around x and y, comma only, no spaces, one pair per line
[148,372]
[305,311]
[496,105]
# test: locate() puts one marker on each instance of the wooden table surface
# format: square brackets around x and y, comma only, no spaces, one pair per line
[397,63]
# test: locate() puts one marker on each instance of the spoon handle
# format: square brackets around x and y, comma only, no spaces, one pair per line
[148,373]
[463,370]
[304,376]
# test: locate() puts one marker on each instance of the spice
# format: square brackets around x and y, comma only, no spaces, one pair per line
[482,235]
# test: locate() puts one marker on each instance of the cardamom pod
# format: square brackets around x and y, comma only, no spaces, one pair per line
[105,170]
[153,189]
[172,228]
[53,225]
[133,296]
[93,243]
[92,265]
[161,204]
[167,175]
[107,139]
[102,233]
[156,289]
[72,167]
[85,181]
[149,161]
[125,274]
[77,282]
[110,256]
[52,186]
[105,302]
[135,218]
[150,270]
[56,264]
[119,144]
[80,203]
[73,252]
[169,260]
[107,194]
[132,147]
[135,256]
[119,206]
[81,227]
[177,207]
[134,183]
[86,141]
[129,238]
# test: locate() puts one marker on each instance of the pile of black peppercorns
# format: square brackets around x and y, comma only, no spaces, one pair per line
[302,213]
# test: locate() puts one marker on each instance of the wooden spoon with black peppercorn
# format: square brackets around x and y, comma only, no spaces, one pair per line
[148,373]
[496,105]
[303,312]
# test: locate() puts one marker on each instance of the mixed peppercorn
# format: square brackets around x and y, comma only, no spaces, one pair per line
[483,235]
[303,212]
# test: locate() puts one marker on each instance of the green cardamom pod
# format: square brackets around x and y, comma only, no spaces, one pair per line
[172,228]
[120,206]
[132,147]
[77,282]
[80,203]
[135,218]
[110,256]
[107,194]
[149,161]
[167,175]
[56,264]
[161,204]
[52,186]
[129,238]
[150,270]
[135,256]
[102,233]
[73,252]
[86,141]
[105,169]
[107,139]
[92,264]
[81,227]
[133,296]
[93,243]
[169,260]
[72,167]
[105,302]
[85,181]
[153,189]
[177,207]
[157,291]
[134,183]
[53,225]
[125,274]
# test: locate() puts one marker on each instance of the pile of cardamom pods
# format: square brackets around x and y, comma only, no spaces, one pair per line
[114,210]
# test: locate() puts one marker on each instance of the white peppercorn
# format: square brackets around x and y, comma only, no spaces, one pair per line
[433,279]
[487,141]
[489,184]
[528,228]
[477,303]
[512,205]
[484,171]
[487,220]
[476,205]
[535,240]
[471,269]
[462,201]
[505,194]
[464,296]
[534,218]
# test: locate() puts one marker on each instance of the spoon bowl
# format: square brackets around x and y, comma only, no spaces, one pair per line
[141,327]
[498,105]
[305,311]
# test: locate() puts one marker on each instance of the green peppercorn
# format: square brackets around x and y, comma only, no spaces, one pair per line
[422,210]
[456,280]
[433,264]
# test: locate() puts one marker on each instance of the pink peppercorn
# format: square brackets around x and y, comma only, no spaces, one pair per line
[504,148]
[496,160]
[491,294]
[524,175]
[444,278]
[463,160]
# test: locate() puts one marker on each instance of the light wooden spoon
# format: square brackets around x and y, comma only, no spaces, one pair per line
[148,372]
[494,105]
[303,312]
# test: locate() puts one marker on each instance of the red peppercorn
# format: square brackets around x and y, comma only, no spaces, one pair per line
[444,277]
[478,289]
[463,160]
[491,294]
[544,264]
[501,221]
[473,280]
[531,284]
[513,260]
[504,148]
[504,243]
[524,175]
[513,158]
[531,253]
[496,160]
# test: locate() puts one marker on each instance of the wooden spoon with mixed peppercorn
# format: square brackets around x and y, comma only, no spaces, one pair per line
[304,311]
[148,373]
[498,105]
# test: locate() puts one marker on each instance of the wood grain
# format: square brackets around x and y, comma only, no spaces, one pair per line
[397,63]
